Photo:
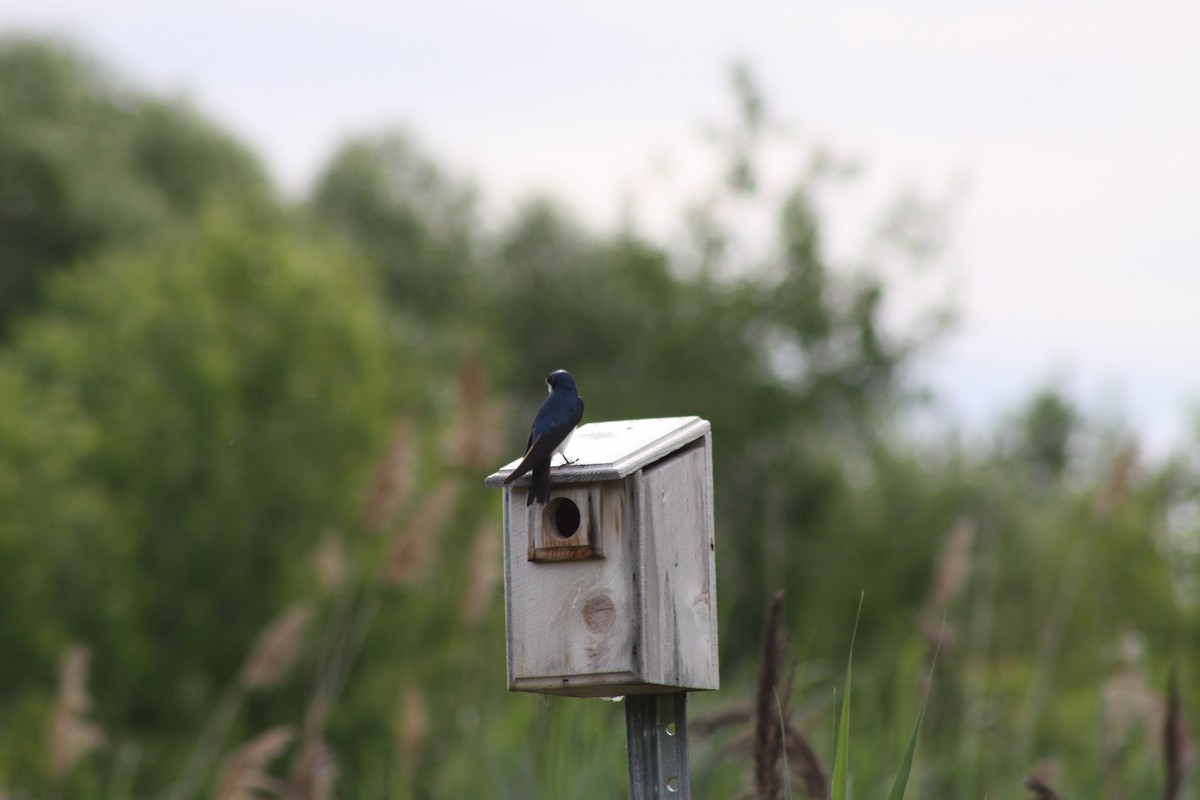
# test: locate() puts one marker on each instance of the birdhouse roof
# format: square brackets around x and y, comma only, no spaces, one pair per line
[609,451]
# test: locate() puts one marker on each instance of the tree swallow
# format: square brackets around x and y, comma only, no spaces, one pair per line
[552,428]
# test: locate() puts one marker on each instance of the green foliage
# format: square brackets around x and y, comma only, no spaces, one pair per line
[86,163]
[416,224]
[1047,428]
[179,425]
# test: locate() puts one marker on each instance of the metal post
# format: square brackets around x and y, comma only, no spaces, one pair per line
[656,745]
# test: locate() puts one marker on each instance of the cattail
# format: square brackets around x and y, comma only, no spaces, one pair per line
[244,774]
[805,764]
[483,571]
[409,553]
[414,724]
[768,727]
[313,771]
[1041,790]
[392,479]
[772,733]
[713,721]
[329,562]
[276,648]
[71,736]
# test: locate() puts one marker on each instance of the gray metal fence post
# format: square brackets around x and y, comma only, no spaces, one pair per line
[657,747]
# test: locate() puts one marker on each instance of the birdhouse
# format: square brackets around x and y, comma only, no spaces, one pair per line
[610,587]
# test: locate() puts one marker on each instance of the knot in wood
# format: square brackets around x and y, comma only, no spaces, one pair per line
[599,613]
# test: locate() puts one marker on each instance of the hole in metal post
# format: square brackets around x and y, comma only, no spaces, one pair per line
[672,784]
[670,729]
[561,518]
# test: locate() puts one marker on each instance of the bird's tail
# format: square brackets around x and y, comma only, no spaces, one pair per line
[539,485]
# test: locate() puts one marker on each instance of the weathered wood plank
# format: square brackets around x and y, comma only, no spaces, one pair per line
[571,622]
[679,590]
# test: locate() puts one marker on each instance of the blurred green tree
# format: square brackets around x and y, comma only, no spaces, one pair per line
[1049,424]
[417,224]
[177,426]
[86,163]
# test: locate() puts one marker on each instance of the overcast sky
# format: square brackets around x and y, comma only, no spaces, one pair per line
[1073,126]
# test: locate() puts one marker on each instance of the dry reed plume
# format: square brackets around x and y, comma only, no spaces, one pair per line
[483,571]
[1131,709]
[313,770]
[71,736]
[244,774]
[414,725]
[409,554]
[277,648]
[329,562]
[392,480]
[952,570]
[405,560]
[475,440]
[1116,482]
[271,657]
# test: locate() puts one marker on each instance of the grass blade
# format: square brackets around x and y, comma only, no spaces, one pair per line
[901,784]
[841,757]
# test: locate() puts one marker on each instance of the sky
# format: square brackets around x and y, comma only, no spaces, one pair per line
[1067,132]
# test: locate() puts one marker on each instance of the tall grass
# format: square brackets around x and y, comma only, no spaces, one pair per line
[841,758]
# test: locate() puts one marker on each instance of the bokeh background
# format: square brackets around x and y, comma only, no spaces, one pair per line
[279,285]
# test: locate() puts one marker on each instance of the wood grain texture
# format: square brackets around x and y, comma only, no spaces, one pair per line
[680,571]
[570,622]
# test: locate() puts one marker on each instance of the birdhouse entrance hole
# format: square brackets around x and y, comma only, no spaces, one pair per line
[568,527]
[561,518]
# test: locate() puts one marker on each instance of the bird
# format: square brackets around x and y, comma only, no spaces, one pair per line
[552,428]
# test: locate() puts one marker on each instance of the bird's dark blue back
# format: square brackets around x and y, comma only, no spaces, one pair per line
[556,418]
[563,408]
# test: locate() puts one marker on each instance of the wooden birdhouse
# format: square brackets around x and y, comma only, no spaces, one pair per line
[610,587]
